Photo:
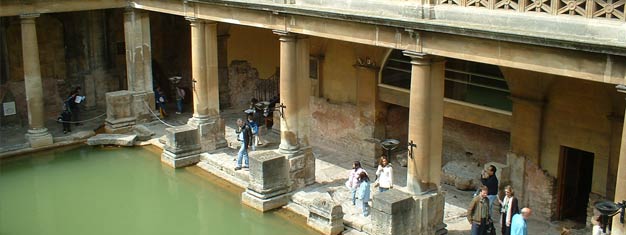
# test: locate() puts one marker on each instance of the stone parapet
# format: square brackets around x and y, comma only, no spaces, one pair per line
[325,216]
[182,146]
[269,182]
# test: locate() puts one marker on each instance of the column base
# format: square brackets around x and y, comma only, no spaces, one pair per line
[211,130]
[301,167]
[39,138]
[176,161]
[264,204]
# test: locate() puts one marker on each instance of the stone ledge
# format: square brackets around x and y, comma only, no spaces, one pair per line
[112,139]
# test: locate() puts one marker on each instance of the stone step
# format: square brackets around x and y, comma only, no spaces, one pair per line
[112,139]
[222,164]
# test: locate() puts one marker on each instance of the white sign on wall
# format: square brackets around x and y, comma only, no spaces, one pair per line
[9,108]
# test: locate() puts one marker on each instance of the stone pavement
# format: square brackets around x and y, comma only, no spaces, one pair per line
[332,168]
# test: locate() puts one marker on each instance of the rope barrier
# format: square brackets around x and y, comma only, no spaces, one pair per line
[94,118]
[156,116]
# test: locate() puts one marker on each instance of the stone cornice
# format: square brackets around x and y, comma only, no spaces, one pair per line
[571,42]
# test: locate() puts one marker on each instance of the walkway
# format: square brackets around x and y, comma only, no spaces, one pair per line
[332,166]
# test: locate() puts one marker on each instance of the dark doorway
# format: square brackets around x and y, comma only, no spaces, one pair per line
[575,175]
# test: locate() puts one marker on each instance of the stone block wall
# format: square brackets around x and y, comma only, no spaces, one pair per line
[462,140]
[241,82]
[339,125]
[540,193]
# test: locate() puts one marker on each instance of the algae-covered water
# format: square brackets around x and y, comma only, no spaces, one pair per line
[92,190]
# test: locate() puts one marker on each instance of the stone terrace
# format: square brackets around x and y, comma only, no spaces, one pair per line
[332,166]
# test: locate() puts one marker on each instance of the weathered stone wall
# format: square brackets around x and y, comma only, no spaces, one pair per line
[540,193]
[462,140]
[241,82]
[336,125]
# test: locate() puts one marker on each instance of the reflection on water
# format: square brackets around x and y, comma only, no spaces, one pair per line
[122,191]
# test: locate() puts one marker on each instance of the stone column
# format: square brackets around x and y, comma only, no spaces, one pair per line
[425,123]
[425,132]
[138,50]
[38,134]
[204,70]
[288,93]
[294,95]
[620,184]
[526,127]
[139,63]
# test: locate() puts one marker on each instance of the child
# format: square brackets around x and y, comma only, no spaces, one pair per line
[364,192]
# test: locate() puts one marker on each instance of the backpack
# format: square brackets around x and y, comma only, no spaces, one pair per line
[254,126]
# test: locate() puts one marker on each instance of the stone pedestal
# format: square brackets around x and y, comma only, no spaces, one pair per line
[397,212]
[269,182]
[182,146]
[39,137]
[119,115]
[301,168]
[392,213]
[325,216]
[126,108]
[429,213]
[211,132]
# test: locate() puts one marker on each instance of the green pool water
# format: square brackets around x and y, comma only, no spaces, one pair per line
[88,190]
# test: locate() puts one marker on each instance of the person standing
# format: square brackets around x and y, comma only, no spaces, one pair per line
[518,222]
[66,118]
[353,179]
[244,134]
[488,178]
[254,128]
[364,192]
[180,97]
[478,212]
[72,102]
[508,209]
[385,174]
[161,102]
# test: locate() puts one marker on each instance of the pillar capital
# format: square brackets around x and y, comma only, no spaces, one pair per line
[422,59]
[285,36]
[29,16]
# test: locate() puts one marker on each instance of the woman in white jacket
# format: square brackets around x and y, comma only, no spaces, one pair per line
[385,174]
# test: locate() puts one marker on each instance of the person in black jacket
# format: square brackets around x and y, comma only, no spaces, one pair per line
[244,134]
[489,179]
